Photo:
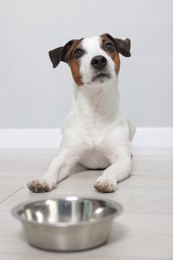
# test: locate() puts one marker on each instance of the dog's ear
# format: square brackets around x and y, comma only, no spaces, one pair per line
[123,46]
[60,54]
[55,56]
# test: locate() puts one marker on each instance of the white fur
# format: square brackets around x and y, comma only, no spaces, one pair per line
[96,133]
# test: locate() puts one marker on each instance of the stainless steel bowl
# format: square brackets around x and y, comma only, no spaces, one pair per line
[67,224]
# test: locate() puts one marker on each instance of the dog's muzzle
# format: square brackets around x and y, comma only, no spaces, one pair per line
[99,64]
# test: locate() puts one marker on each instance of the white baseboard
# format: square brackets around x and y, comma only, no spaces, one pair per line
[51,138]
[30,138]
[153,137]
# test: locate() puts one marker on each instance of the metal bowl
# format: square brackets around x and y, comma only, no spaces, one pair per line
[67,224]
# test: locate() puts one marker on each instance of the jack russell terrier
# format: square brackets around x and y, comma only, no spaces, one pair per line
[96,133]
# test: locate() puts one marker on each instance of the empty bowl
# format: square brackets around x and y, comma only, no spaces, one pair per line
[67,224]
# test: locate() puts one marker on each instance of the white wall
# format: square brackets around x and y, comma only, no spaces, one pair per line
[33,95]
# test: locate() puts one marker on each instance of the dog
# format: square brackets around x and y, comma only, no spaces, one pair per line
[96,132]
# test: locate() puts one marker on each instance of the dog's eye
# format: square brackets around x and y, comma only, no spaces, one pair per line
[78,53]
[109,47]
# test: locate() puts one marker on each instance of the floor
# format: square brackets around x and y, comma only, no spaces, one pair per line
[144,231]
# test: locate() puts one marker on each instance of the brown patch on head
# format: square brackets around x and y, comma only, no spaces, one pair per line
[108,45]
[72,58]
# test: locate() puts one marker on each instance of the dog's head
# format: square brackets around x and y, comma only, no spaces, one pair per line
[93,60]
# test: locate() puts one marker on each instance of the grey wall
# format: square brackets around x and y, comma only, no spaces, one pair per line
[33,95]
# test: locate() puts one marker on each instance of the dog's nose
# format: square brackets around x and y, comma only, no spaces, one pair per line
[99,62]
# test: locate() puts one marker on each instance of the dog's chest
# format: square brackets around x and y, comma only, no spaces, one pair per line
[94,159]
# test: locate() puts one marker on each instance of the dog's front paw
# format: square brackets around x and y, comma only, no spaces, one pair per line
[41,185]
[103,184]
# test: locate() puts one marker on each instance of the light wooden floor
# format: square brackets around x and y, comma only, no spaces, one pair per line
[143,231]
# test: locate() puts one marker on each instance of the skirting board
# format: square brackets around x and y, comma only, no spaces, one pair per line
[51,138]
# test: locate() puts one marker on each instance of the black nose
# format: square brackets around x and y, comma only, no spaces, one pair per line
[99,62]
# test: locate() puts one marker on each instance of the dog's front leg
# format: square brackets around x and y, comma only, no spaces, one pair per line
[120,169]
[58,170]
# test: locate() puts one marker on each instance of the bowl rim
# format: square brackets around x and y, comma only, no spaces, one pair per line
[21,206]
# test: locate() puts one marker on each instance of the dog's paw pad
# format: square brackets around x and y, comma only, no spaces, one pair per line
[41,185]
[105,185]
